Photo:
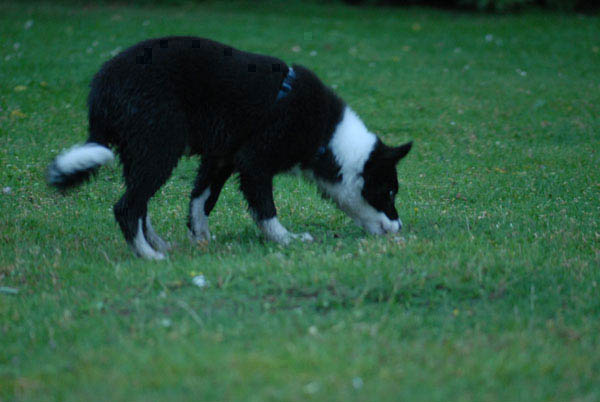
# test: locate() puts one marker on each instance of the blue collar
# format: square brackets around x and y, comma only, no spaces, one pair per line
[286,86]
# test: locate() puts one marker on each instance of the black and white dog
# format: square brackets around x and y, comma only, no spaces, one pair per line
[242,113]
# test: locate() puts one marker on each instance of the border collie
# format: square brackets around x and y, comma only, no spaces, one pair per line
[243,113]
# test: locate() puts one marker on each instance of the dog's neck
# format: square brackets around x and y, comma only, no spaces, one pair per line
[351,143]
[286,85]
[339,165]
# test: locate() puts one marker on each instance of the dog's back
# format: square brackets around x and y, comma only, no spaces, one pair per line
[223,94]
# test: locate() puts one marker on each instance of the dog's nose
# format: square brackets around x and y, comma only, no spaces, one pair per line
[396,226]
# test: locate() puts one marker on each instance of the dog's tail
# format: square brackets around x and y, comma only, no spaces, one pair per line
[76,165]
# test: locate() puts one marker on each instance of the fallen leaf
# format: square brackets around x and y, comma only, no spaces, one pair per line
[17,113]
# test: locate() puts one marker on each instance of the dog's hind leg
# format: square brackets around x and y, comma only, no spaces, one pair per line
[147,164]
[131,211]
[212,175]
[154,239]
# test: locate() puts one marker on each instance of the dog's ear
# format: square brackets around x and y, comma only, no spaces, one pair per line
[397,153]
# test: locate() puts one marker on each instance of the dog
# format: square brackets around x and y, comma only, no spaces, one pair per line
[242,113]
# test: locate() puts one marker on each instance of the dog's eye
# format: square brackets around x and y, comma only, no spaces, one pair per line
[392,194]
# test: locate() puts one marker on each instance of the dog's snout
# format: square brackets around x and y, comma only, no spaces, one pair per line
[391,226]
[383,227]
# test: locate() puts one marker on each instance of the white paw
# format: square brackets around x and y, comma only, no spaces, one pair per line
[274,231]
[142,248]
[289,237]
[154,239]
[201,236]
[283,240]
[148,253]
[159,244]
[158,256]
[305,237]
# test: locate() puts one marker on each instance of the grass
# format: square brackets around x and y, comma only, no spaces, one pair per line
[490,292]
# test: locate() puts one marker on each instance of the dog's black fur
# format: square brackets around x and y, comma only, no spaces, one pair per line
[165,97]
[160,96]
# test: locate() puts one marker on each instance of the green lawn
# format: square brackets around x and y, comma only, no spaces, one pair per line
[491,292]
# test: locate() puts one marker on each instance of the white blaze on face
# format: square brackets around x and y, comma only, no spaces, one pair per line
[351,145]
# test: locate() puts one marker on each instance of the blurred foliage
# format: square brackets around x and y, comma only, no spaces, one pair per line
[478,5]
[491,5]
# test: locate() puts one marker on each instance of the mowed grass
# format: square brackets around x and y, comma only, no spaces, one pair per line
[489,293]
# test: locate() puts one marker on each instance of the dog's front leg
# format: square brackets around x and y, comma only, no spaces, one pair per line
[274,231]
[258,191]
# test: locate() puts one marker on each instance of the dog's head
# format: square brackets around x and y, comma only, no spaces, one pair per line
[378,214]
[367,195]
[368,181]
